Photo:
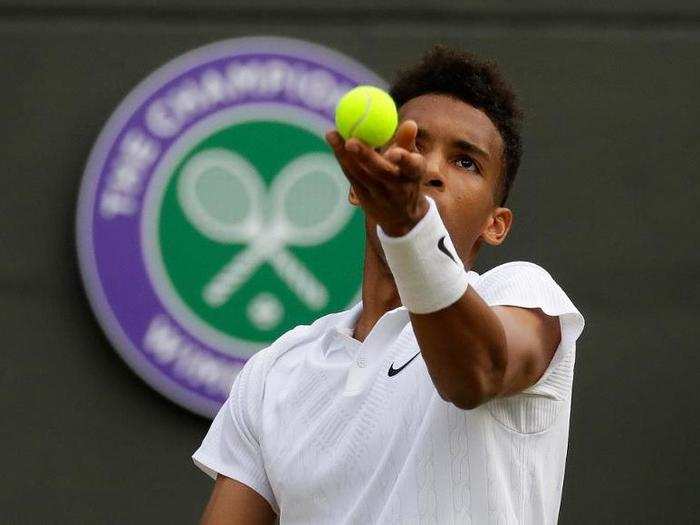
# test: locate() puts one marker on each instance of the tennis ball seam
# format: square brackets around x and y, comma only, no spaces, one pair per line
[368,105]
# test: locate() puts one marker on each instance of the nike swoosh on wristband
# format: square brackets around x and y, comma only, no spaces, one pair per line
[393,371]
[443,249]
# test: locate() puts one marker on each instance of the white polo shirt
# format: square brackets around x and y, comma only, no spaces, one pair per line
[318,427]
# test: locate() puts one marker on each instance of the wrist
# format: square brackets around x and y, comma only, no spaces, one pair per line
[402,227]
[428,273]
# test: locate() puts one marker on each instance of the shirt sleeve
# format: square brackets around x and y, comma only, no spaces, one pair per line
[232,445]
[528,285]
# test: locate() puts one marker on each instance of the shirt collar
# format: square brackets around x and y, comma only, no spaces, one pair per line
[337,334]
[342,328]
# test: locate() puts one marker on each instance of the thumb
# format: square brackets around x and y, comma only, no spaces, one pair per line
[406,135]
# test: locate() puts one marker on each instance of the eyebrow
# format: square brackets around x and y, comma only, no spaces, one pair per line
[461,144]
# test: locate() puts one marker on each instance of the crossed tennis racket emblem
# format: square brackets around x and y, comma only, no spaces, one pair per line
[225,199]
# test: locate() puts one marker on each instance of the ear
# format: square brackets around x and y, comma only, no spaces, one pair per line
[497,226]
[352,197]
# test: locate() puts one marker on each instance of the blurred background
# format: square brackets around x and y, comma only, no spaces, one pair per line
[605,200]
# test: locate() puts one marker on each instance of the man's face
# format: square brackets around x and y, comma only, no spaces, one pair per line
[463,151]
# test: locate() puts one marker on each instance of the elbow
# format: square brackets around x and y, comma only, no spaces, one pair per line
[477,386]
[469,400]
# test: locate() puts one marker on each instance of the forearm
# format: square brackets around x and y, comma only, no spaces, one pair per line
[464,348]
[461,339]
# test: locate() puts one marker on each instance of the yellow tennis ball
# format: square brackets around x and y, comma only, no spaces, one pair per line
[368,113]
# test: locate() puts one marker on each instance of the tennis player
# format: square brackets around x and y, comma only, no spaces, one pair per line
[444,395]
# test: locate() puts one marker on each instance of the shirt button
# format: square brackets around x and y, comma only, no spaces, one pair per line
[362,362]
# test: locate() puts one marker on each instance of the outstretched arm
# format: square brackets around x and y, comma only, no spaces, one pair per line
[473,351]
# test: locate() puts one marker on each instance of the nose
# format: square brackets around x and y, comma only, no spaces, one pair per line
[432,172]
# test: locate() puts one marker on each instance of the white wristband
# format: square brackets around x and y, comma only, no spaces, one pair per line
[428,272]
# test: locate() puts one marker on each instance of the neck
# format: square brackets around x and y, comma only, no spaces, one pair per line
[379,293]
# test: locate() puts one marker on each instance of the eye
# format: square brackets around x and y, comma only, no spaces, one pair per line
[468,163]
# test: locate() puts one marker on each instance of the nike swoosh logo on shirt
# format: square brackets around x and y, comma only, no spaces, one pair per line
[443,249]
[393,371]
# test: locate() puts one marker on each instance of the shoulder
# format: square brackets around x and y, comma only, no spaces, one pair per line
[249,386]
[290,346]
[517,278]
[529,285]
[525,280]
[511,271]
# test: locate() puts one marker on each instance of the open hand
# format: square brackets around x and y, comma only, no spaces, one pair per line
[387,184]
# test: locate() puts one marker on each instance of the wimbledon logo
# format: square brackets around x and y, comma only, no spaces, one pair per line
[213,217]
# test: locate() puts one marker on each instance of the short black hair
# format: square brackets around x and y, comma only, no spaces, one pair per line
[448,71]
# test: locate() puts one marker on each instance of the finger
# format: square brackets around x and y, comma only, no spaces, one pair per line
[357,169]
[394,154]
[406,135]
[354,172]
[334,139]
[352,169]
[373,162]
[349,164]
[363,191]
[411,165]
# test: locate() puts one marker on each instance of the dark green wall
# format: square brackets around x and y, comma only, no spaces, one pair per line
[606,200]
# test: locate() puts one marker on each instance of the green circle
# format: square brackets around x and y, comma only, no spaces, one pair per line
[191,259]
